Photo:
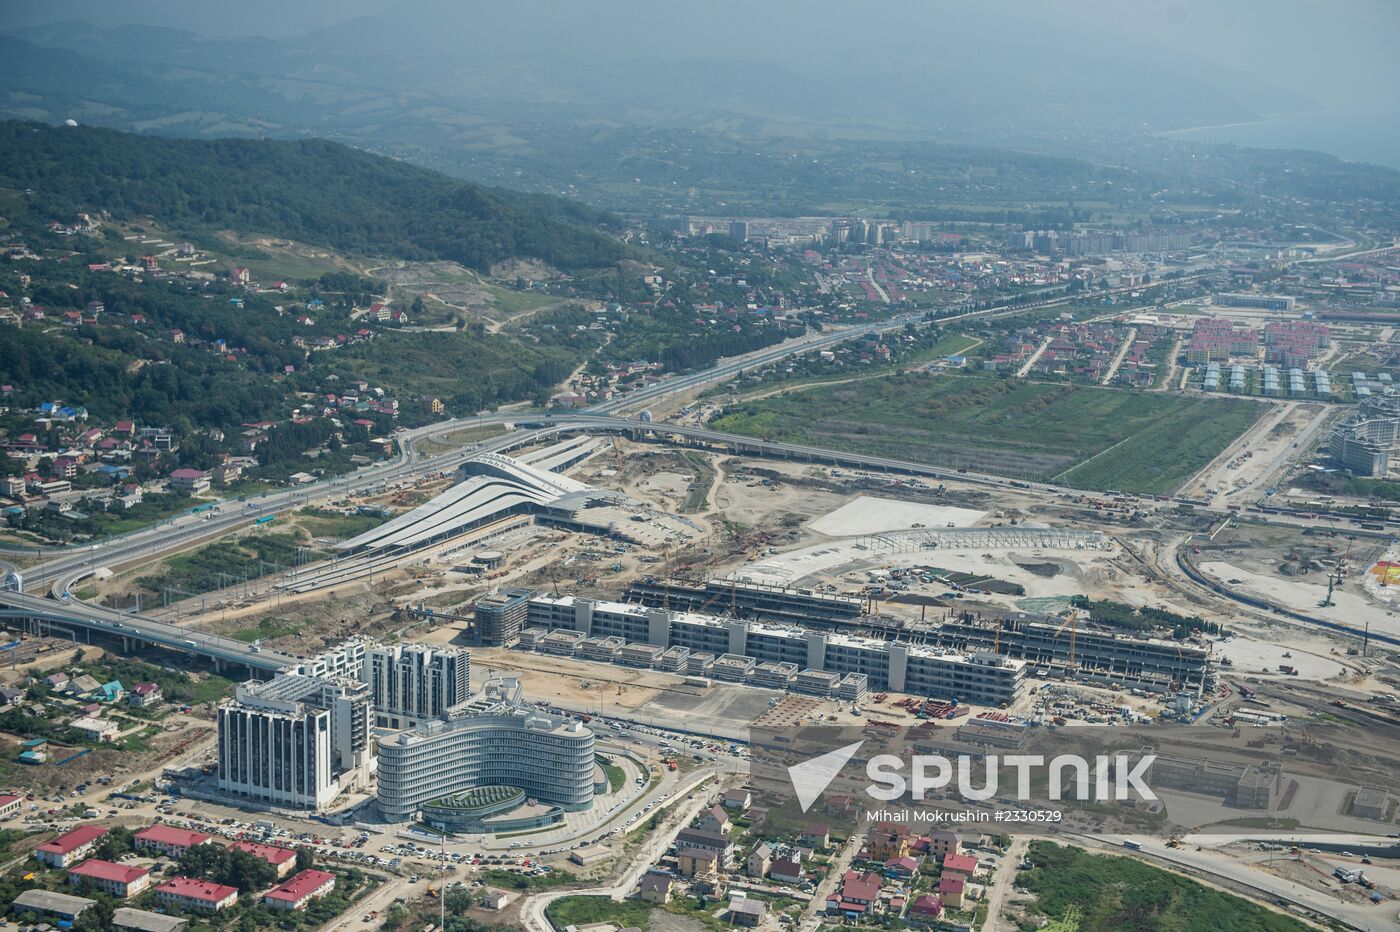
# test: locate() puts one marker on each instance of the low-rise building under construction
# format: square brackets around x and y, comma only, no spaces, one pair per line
[766,654]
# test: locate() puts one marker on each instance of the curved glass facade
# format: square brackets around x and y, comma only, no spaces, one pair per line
[550,757]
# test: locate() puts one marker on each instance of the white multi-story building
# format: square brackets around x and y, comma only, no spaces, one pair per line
[982,677]
[295,741]
[496,741]
[411,683]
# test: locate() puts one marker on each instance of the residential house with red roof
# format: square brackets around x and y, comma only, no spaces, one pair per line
[143,695]
[189,481]
[950,890]
[70,847]
[963,864]
[300,890]
[201,896]
[283,859]
[901,867]
[926,908]
[856,896]
[167,839]
[119,880]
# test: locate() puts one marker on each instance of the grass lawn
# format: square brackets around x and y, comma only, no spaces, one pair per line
[697,497]
[1083,436]
[331,524]
[584,910]
[228,562]
[1107,893]
[510,880]
[512,302]
[267,629]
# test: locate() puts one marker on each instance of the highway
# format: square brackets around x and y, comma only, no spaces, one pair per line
[66,564]
[76,615]
[1223,868]
[57,575]
[60,574]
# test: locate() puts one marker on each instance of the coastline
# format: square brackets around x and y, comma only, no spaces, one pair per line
[1358,138]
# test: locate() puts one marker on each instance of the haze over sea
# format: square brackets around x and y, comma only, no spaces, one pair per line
[1372,137]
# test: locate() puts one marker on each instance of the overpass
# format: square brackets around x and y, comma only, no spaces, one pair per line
[65,565]
[39,615]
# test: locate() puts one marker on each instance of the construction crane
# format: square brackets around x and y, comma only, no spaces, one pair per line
[666,575]
[1338,574]
[1072,623]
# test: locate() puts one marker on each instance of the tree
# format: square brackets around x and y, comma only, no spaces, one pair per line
[98,917]
[117,842]
[306,859]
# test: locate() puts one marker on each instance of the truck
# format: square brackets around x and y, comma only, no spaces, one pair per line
[266,519]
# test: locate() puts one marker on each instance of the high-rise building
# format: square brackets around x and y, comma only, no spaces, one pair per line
[496,741]
[501,615]
[295,741]
[739,229]
[410,683]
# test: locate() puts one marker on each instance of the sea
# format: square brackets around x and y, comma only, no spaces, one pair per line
[1372,137]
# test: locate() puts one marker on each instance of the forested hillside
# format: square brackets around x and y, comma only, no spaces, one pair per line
[314,191]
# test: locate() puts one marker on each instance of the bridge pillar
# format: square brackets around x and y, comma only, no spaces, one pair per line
[126,644]
[218,665]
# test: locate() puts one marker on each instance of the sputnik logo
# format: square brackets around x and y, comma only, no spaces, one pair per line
[811,777]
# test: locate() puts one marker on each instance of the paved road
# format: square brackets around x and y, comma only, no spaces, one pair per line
[809,920]
[1370,918]
[683,808]
[1120,356]
[1000,887]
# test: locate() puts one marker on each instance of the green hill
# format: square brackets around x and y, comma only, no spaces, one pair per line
[314,191]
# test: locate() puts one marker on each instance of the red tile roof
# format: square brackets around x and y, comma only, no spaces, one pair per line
[929,904]
[951,885]
[106,870]
[204,890]
[6,799]
[169,835]
[962,863]
[72,841]
[300,886]
[857,886]
[272,854]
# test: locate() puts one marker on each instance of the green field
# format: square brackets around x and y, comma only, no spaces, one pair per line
[1087,437]
[584,910]
[1105,893]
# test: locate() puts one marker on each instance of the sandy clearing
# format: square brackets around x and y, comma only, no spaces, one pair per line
[866,514]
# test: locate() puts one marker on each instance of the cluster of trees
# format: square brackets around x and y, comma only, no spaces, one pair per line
[314,191]
[225,562]
[96,371]
[1143,617]
[240,869]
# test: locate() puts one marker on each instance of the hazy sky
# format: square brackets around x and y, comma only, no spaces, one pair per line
[1339,52]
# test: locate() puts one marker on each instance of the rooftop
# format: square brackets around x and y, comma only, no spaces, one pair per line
[107,870]
[46,901]
[272,854]
[169,835]
[193,889]
[69,842]
[298,887]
